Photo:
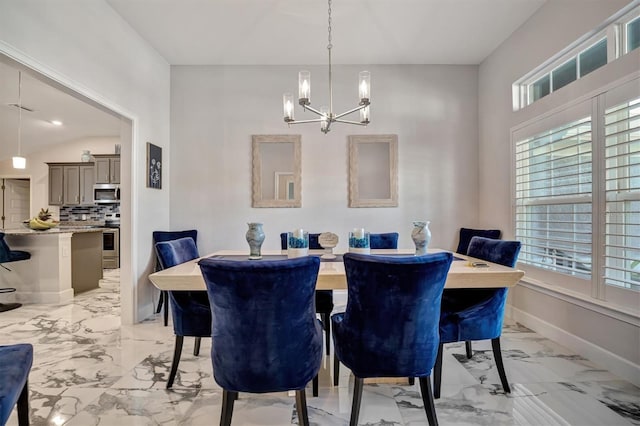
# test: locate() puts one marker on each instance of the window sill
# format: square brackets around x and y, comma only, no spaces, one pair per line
[618,312]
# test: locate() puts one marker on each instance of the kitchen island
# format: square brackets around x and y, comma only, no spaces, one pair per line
[64,261]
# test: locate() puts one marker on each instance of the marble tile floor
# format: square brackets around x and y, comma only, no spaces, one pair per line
[91,370]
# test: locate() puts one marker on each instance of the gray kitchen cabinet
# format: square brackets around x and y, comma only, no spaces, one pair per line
[56,179]
[107,168]
[71,183]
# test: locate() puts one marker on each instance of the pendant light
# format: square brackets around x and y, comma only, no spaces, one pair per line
[19,162]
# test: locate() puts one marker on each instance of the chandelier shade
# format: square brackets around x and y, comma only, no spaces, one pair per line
[19,162]
[327,116]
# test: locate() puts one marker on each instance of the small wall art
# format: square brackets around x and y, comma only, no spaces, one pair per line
[154,166]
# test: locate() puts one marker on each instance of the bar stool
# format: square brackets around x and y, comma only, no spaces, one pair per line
[6,256]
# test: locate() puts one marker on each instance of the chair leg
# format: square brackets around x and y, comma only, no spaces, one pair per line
[228,398]
[166,308]
[467,346]
[497,355]
[315,386]
[336,369]
[177,351]
[437,373]
[23,406]
[427,399]
[326,321]
[196,347]
[357,399]
[301,408]
[160,300]
[412,381]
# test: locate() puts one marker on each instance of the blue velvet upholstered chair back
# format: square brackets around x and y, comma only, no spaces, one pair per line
[265,334]
[390,326]
[381,288]
[388,240]
[7,255]
[477,314]
[190,310]
[466,234]
[324,298]
[15,365]
[162,236]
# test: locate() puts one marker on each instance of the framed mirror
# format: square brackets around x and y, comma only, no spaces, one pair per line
[373,170]
[276,171]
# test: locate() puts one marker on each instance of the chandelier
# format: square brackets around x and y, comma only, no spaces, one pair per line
[327,116]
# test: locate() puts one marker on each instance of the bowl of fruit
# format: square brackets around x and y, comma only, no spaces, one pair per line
[42,222]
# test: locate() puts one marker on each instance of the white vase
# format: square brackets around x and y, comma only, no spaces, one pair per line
[421,236]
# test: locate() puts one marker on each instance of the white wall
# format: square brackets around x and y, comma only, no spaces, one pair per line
[216,109]
[556,25]
[86,46]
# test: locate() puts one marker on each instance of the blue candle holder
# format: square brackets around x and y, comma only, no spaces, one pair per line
[359,241]
[297,243]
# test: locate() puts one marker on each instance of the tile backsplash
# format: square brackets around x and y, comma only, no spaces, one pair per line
[96,212]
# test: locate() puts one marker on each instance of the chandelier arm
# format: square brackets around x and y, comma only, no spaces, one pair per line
[313,110]
[316,120]
[350,122]
[358,108]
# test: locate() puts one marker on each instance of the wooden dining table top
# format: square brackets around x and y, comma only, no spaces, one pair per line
[332,276]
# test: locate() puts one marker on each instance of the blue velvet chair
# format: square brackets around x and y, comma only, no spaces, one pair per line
[266,337]
[390,326]
[387,240]
[324,298]
[15,365]
[477,314]
[6,256]
[466,234]
[190,310]
[159,236]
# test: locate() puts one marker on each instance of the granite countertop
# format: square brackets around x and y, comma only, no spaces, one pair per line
[64,229]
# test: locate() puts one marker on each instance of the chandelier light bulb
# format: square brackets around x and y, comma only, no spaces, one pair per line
[287,104]
[365,87]
[364,115]
[304,87]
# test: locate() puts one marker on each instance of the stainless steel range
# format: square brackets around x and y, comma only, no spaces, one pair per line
[111,242]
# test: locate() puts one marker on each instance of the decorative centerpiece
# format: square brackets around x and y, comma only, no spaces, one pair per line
[421,236]
[255,238]
[359,241]
[297,243]
[328,240]
[42,222]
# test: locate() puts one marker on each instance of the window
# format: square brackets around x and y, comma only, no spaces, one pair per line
[581,58]
[622,229]
[593,58]
[577,195]
[553,198]
[633,34]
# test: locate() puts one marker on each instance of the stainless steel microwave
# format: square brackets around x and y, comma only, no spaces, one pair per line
[106,193]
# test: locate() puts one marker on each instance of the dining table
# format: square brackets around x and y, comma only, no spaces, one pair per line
[465,271]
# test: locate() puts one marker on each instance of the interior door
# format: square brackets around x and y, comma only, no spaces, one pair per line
[15,202]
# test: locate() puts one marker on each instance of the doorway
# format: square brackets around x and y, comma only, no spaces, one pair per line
[15,204]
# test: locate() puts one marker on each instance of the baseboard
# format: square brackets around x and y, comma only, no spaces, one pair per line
[608,360]
[45,297]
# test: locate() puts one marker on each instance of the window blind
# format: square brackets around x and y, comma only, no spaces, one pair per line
[553,198]
[622,187]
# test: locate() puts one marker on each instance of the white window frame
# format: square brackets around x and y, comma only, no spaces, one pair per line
[613,29]
[595,290]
